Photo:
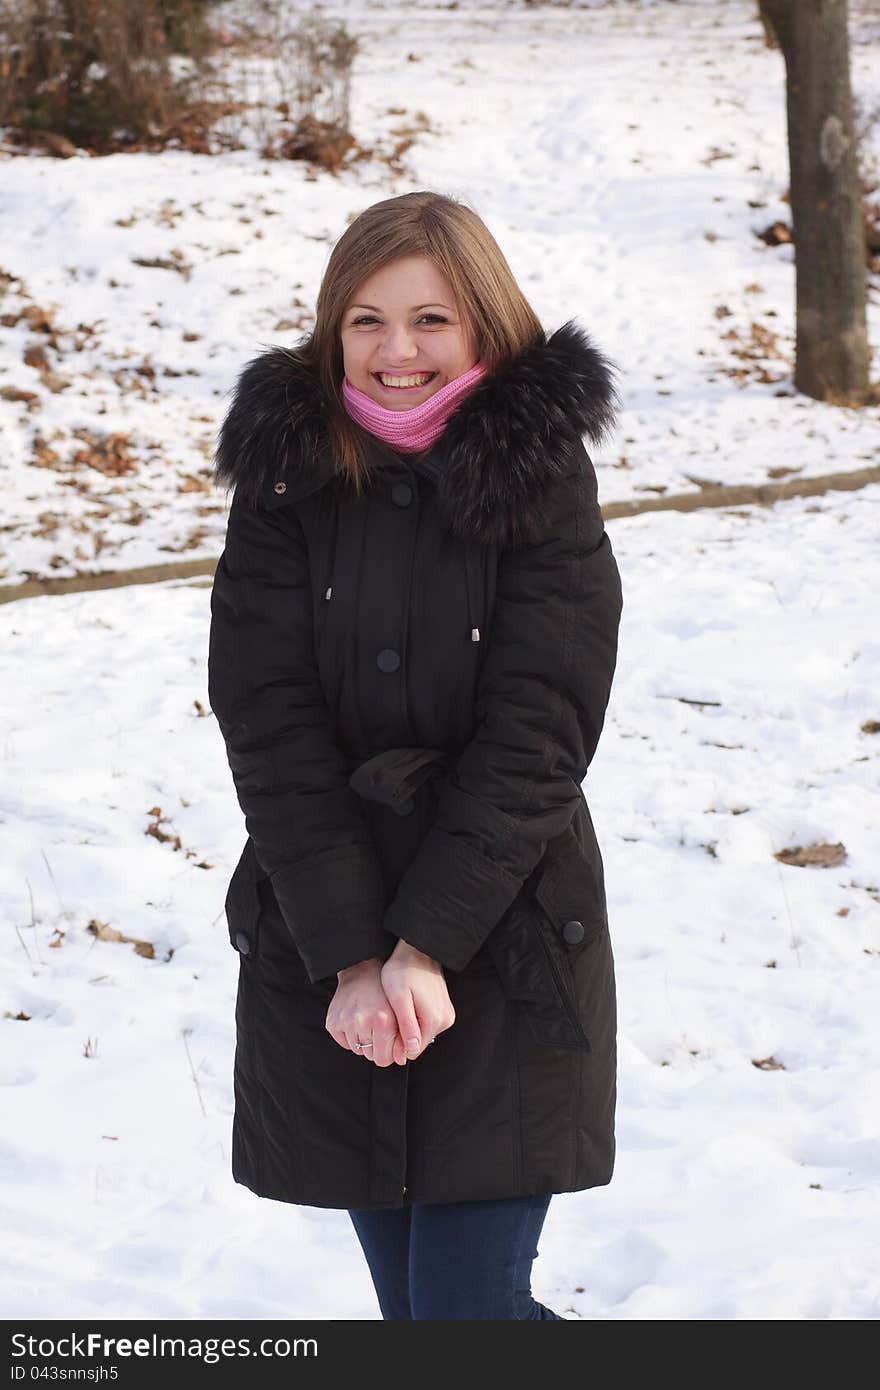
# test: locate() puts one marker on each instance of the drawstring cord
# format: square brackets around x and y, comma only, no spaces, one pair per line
[470,584]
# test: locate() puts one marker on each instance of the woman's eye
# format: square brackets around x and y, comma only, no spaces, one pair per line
[370,318]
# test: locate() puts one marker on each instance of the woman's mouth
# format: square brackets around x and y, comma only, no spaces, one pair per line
[398,383]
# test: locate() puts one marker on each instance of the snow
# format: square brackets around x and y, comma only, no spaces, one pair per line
[748,677]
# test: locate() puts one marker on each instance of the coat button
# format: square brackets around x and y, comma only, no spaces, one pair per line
[280,487]
[573,932]
[243,943]
[401,494]
[404,808]
[388,659]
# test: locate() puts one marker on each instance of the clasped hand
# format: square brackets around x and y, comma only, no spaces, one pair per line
[400,1005]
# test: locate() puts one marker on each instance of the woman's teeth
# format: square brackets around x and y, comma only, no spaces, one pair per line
[421,380]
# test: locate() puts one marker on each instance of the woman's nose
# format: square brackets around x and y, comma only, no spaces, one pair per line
[399,344]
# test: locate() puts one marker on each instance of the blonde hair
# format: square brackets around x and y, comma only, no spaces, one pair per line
[493,308]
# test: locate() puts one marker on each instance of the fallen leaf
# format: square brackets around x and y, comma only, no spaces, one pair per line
[777,234]
[823,855]
[104,932]
[17,393]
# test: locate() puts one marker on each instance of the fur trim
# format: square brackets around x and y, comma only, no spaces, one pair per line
[276,424]
[500,452]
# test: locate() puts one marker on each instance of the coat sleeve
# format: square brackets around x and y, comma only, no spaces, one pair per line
[307,825]
[541,702]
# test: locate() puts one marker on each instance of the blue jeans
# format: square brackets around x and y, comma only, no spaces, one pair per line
[454,1260]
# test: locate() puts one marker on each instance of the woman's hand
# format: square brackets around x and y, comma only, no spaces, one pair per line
[399,1007]
[360,1012]
[415,987]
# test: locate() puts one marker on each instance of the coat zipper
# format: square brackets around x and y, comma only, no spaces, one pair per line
[404,644]
[517,1111]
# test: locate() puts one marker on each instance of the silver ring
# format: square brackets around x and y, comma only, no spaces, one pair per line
[356,1045]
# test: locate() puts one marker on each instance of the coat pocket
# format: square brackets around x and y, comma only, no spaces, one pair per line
[259,934]
[541,938]
[569,888]
[242,905]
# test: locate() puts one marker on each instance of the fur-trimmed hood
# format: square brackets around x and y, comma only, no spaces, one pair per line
[498,454]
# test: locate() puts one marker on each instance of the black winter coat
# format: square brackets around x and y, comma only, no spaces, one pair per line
[411,686]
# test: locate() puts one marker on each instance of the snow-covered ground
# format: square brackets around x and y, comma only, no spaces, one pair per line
[739,725]
[740,1192]
[625,158]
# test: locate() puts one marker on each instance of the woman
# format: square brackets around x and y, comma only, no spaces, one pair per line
[413,638]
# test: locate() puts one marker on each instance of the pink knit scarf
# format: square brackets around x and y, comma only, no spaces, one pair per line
[417,428]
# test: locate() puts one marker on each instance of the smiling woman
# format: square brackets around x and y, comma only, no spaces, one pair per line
[411,678]
[406,368]
[421,394]
[398,354]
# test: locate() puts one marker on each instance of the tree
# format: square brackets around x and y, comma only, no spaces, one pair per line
[831,354]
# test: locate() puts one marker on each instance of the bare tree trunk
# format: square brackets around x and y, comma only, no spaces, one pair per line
[832,354]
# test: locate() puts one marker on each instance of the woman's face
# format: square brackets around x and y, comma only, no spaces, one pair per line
[401,323]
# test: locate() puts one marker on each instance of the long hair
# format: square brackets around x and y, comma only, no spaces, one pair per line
[492,307]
